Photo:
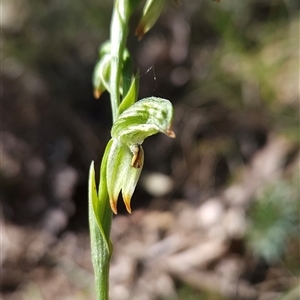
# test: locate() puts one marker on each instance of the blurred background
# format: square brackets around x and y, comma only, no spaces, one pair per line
[216,212]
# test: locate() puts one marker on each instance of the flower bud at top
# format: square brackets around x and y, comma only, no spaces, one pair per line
[151,13]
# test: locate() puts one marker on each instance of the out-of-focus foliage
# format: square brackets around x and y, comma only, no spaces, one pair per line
[186,293]
[43,29]
[274,219]
[55,41]
[251,60]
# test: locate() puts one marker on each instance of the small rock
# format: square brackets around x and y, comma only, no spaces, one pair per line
[157,184]
[210,213]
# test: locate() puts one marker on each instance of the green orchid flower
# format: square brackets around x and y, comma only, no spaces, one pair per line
[102,71]
[125,154]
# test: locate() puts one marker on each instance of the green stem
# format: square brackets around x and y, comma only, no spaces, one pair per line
[101,260]
[118,36]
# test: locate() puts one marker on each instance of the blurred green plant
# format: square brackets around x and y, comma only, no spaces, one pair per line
[186,292]
[274,218]
[253,62]
[133,122]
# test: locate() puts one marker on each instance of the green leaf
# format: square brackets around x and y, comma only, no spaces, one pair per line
[100,249]
[127,70]
[103,209]
[93,196]
[131,95]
